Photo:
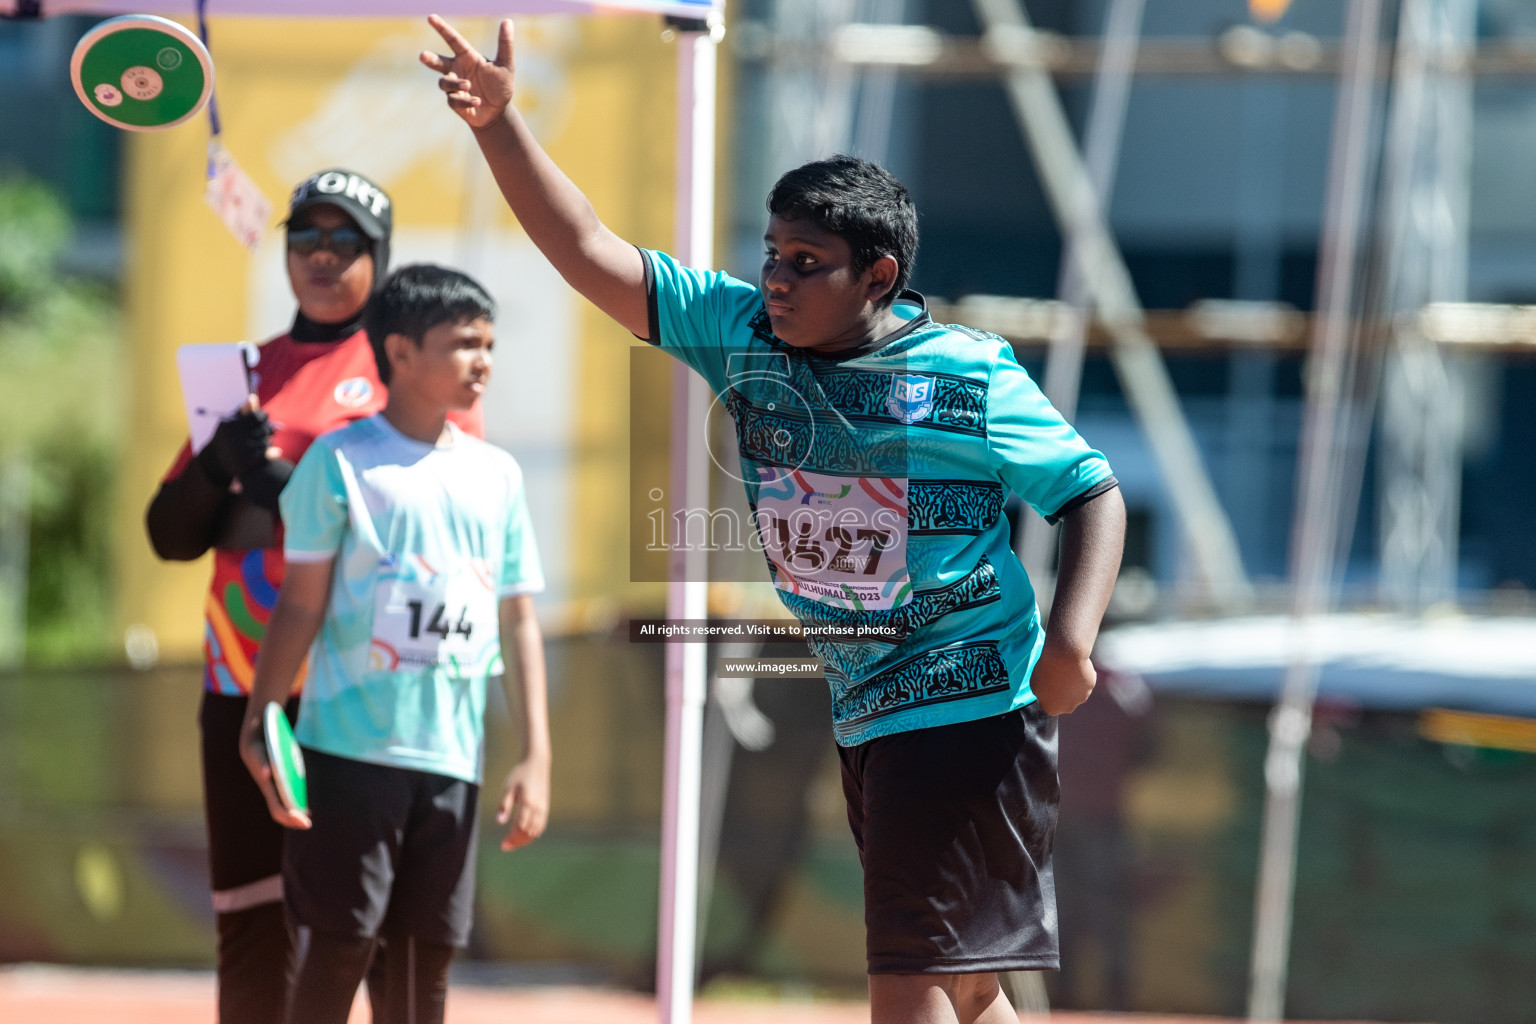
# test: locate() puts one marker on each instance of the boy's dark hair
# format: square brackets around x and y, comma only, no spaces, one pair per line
[415,299]
[858,201]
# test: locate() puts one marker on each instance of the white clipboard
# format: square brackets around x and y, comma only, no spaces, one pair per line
[215,383]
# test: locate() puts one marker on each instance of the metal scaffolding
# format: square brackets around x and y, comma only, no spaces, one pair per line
[1425,198]
[1316,521]
[1420,257]
[1140,368]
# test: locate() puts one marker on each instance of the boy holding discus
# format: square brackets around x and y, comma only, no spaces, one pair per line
[878,448]
[411,565]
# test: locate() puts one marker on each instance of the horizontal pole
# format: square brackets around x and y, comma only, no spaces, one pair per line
[924,52]
[1221,325]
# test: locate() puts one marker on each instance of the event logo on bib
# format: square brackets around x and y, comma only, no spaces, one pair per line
[911,397]
[353,392]
[826,497]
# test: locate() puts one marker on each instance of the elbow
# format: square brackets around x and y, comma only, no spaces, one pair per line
[170,534]
[170,550]
[166,545]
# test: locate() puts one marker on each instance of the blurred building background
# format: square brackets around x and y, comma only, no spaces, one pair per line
[1416,885]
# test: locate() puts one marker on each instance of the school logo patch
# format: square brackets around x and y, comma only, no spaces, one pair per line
[911,397]
[353,392]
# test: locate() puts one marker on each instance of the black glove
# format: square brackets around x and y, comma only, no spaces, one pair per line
[238,446]
[262,484]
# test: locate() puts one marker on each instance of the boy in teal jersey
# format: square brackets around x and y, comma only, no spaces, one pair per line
[411,565]
[877,448]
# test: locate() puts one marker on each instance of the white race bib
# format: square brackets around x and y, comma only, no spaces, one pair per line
[837,539]
[425,617]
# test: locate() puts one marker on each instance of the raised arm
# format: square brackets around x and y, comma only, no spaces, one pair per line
[557,216]
[1093,535]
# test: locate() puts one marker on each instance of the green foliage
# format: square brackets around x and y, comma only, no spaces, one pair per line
[60,411]
[69,599]
[34,227]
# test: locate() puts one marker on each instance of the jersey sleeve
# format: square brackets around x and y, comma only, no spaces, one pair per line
[521,572]
[695,314]
[1036,452]
[314,506]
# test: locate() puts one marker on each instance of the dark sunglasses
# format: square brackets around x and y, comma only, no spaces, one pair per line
[346,242]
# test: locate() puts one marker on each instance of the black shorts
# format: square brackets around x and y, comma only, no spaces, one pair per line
[954,826]
[245,846]
[392,852]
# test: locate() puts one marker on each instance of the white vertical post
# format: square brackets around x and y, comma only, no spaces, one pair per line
[687,590]
[1314,533]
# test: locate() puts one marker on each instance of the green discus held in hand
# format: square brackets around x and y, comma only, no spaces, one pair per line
[286,759]
[141,72]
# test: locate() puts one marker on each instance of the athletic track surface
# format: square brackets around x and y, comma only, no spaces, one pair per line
[61,995]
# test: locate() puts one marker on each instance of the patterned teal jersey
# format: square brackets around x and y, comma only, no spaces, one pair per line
[876,480]
[427,540]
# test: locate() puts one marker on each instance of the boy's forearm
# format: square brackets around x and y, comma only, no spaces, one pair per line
[525,685]
[524,806]
[562,223]
[549,206]
[1093,536]
[290,632]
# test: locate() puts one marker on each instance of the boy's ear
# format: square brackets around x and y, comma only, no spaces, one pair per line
[397,348]
[882,278]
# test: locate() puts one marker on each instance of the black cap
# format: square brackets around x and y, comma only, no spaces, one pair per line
[355,195]
[366,203]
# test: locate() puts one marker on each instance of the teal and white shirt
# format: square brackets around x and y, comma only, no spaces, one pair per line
[427,540]
[877,479]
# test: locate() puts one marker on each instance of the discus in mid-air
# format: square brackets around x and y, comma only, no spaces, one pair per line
[141,73]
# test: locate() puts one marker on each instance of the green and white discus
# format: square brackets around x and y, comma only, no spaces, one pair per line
[141,72]
[286,759]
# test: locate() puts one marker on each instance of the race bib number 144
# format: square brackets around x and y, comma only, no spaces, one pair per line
[435,618]
[839,540]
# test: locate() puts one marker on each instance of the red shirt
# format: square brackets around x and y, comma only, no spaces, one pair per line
[306,389]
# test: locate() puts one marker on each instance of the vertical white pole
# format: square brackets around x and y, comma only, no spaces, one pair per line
[687,590]
[1314,531]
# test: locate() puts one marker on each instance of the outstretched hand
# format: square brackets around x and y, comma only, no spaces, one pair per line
[478,89]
